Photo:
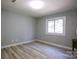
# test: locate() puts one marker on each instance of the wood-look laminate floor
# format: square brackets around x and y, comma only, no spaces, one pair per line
[34,50]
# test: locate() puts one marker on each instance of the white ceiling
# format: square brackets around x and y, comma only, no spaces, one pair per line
[51,6]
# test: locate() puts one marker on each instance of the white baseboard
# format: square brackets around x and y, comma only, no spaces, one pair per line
[17,44]
[53,44]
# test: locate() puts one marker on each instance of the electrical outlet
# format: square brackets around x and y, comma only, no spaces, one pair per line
[12,40]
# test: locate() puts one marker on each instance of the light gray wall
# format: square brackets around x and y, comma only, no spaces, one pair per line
[71,21]
[16,27]
[22,28]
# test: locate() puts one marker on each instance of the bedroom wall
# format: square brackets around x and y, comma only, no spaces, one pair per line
[16,28]
[71,24]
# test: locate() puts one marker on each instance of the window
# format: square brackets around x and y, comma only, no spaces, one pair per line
[56,25]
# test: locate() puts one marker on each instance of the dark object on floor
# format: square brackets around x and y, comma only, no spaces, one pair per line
[74,44]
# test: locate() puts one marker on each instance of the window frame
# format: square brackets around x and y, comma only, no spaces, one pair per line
[55,18]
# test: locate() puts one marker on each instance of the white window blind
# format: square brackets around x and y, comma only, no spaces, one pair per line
[56,25]
[50,26]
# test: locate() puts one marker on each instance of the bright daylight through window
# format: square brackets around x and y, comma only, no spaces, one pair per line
[56,25]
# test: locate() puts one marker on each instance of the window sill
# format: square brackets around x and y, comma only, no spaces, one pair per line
[55,34]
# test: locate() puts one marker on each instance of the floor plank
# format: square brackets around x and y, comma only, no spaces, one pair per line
[34,51]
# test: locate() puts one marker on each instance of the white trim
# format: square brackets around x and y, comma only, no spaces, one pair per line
[64,25]
[54,44]
[16,44]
